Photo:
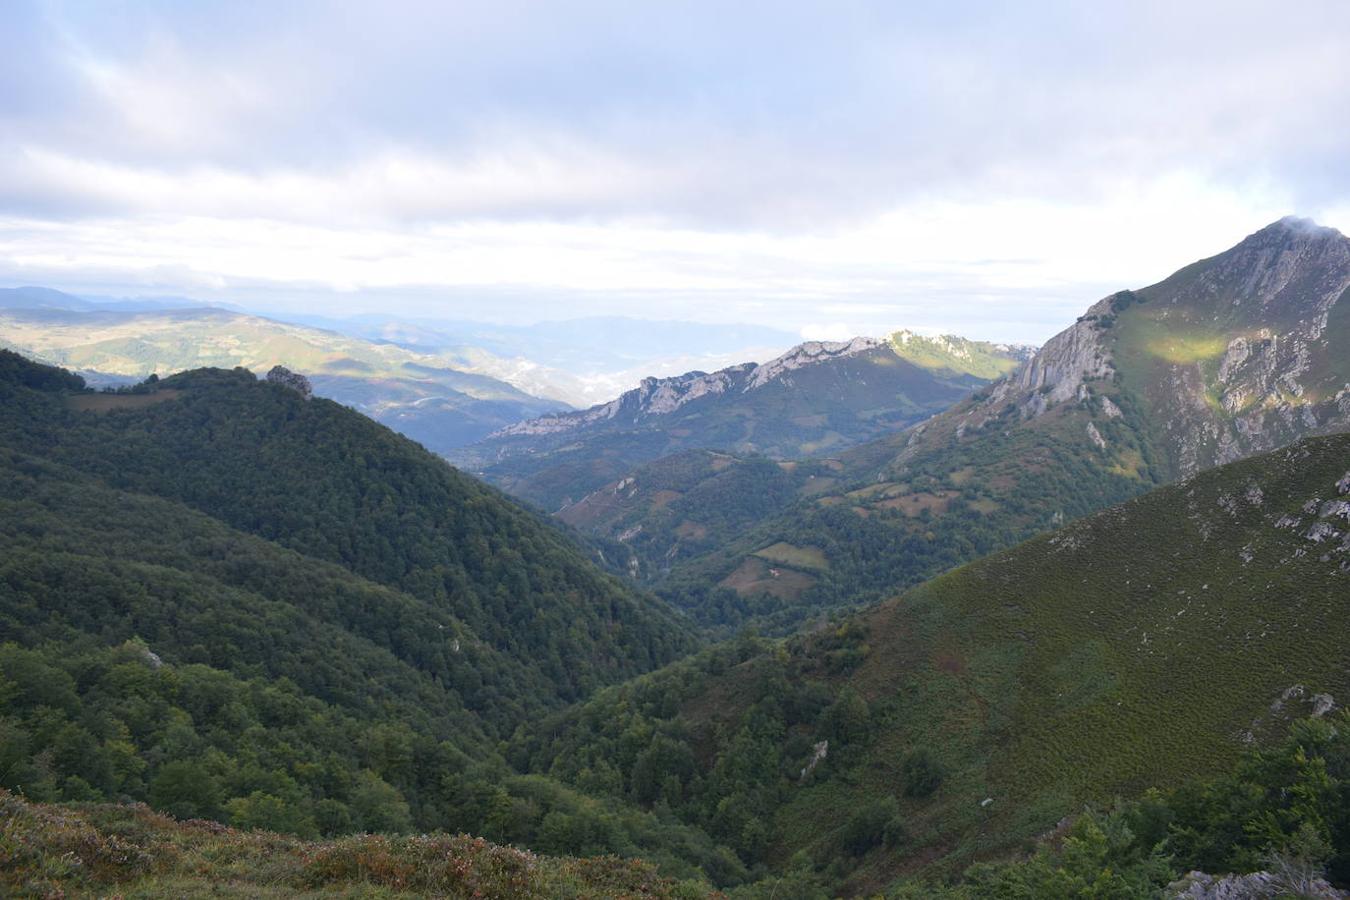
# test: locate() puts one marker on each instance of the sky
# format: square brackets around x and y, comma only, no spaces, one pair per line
[831,168]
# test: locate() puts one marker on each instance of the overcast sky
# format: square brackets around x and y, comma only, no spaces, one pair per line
[831,168]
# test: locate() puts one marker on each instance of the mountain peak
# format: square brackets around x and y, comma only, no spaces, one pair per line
[1291,229]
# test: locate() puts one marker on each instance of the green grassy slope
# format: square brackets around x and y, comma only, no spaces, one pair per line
[1141,646]
[955,356]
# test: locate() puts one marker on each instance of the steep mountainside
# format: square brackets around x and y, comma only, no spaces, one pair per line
[440,400]
[1230,356]
[814,399]
[1142,646]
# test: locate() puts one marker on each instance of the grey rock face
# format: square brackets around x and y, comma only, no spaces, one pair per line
[1057,371]
[1267,387]
[662,396]
[293,380]
[1256,886]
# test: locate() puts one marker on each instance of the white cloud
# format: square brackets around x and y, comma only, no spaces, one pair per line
[830,331]
[1008,269]
[979,167]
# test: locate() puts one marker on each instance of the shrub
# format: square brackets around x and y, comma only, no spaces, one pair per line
[868,827]
[920,773]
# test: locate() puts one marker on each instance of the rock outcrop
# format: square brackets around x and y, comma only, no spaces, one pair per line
[293,380]
[1255,886]
[662,396]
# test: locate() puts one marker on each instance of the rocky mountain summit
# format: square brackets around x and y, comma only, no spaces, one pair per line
[662,396]
[1233,355]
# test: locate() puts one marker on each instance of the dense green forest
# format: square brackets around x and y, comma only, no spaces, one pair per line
[233,603]
[321,480]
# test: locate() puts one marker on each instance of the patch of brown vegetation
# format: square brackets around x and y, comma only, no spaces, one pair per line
[663,498]
[949,662]
[691,531]
[720,462]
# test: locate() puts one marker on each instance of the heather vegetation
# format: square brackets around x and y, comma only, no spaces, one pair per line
[95,850]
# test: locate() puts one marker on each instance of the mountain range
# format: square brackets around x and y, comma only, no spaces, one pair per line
[1232,355]
[817,398]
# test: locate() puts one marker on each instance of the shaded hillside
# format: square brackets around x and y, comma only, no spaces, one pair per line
[235,603]
[324,481]
[1233,355]
[439,399]
[1142,646]
[815,399]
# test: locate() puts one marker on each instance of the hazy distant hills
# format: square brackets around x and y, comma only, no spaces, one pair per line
[579,362]
[815,399]
[1235,354]
[430,398]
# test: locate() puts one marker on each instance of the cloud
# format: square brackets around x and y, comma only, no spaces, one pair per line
[832,331]
[970,166]
[778,116]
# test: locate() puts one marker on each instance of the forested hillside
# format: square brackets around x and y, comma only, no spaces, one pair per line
[236,603]
[1141,647]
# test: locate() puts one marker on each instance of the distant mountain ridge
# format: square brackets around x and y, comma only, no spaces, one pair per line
[662,396]
[815,398]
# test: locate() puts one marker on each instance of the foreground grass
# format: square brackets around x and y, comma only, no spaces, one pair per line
[95,850]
